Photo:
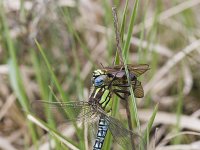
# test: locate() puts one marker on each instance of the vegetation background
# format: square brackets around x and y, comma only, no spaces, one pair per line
[58,43]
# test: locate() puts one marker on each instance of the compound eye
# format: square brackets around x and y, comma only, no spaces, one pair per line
[98,81]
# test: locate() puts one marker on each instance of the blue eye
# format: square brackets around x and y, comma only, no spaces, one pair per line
[98,81]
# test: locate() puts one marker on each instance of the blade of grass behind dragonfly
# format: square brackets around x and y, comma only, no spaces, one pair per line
[125,58]
[122,31]
[14,72]
[64,96]
[115,106]
[126,46]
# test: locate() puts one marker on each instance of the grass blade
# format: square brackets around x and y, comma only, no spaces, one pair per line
[14,74]
[64,97]
[149,126]
[53,132]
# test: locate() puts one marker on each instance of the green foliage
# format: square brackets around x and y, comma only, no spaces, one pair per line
[61,44]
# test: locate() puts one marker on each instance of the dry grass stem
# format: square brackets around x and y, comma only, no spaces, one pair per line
[33,119]
[186,122]
[171,63]
[5,108]
[167,14]
[5,144]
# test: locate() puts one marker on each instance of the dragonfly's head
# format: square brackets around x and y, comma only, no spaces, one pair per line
[98,78]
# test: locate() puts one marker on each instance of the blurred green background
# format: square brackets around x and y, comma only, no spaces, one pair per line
[59,44]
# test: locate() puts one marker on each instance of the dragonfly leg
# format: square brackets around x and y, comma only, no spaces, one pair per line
[127,85]
[116,91]
[121,91]
[123,98]
[121,85]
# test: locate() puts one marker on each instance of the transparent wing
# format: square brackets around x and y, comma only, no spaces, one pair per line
[122,135]
[93,129]
[119,70]
[74,110]
[138,70]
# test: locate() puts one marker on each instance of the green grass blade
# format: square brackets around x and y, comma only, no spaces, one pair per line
[122,30]
[39,76]
[44,91]
[14,68]
[54,79]
[64,97]
[125,54]
[14,74]
[150,123]
[130,30]
[53,132]
[179,110]
[22,99]
[115,106]
[127,44]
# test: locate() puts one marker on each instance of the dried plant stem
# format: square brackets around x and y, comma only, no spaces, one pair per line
[118,41]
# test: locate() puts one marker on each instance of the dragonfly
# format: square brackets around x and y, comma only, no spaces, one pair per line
[115,79]
[106,82]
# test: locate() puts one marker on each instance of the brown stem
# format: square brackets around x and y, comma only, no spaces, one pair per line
[117,35]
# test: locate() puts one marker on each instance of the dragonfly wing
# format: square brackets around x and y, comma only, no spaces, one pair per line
[119,70]
[138,70]
[137,89]
[74,110]
[122,135]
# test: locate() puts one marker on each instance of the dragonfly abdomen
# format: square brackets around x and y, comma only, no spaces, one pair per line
[101,133]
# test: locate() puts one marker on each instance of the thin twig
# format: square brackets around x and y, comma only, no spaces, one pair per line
[117,35]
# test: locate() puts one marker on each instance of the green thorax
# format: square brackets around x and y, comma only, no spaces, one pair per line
[103,97]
